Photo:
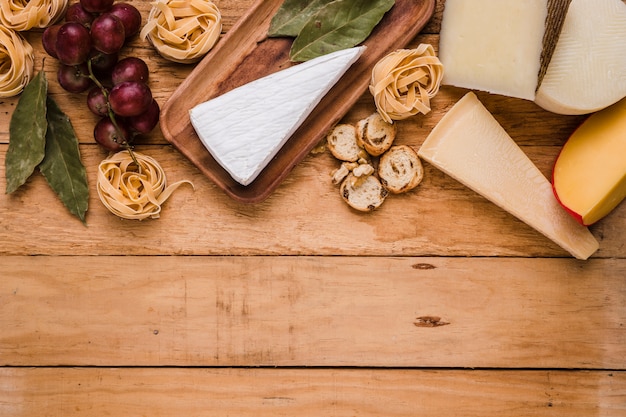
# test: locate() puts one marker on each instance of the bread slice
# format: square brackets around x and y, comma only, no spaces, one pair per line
[342,143]
[364,194]
[375,135]
[400,169]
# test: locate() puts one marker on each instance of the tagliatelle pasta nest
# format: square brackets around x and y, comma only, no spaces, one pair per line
[21,15]
[16,62]
[183,31]
[404,81]
[131,194]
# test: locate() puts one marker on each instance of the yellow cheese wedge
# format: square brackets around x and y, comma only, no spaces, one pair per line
[589,176]
[471,146]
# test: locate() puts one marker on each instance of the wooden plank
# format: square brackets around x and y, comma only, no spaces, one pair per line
[515,115]
[440,217]
[313,311]
[49,392]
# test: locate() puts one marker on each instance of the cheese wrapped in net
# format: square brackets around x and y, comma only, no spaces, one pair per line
[22,15]
[404,81]
[16,62]
[183,31]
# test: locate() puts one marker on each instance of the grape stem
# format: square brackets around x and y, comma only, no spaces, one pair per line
[111,115]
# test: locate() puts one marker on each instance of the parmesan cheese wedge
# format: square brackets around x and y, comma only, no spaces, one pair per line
[587,71]
[244,128]
[471,146]
[493,45]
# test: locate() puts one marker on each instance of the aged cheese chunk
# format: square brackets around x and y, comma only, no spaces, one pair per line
[589,176]
[471,146]
[493,45]
[587,71]
[244,128]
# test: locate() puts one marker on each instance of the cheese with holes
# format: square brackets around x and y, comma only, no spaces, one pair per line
[471,146]
[587,71]
[244,128]
[493,45]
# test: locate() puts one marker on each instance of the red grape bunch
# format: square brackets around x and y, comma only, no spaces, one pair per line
[87,45]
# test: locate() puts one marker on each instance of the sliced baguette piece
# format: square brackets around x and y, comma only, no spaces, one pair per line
[363,195]
[342,143]
[375,135]
[400,169]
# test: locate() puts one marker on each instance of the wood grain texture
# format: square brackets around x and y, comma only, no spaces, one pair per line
[438,304]
[313,311]
[440,217]
[309,392]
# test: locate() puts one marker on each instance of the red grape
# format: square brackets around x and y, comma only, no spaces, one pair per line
[74,78]
[108,136]
[107,33]
[96,6]
[130,98]
[130,17]
[91,38]
[130,69]
[49,40]
[76,13]
[73,43]
[97,102]
[102,63]
[146,121]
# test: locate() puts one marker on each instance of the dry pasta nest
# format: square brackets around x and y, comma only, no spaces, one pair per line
[404,81]
[22,15]
[16,62]
[130,193]
[183,31]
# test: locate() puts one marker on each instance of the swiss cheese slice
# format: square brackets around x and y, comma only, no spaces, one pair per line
[244,128]
[587,71]
[471,146]
[493,45]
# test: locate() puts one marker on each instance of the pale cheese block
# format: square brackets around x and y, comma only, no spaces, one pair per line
[493,45]
[471,146]
[587,71]
[244,128]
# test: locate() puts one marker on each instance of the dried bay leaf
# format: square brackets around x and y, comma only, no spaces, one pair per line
[293,15]
[339,25]
[62,166]
[27,133]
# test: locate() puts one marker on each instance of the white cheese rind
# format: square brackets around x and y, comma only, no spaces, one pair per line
[471,146]
[244,128]
[587,71]
[493,45]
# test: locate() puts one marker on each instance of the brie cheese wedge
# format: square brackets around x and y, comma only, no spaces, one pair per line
[244,128]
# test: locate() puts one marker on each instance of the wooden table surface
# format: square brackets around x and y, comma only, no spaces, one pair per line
[437,304]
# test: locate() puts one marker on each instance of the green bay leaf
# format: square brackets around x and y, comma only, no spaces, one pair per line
[62,166]
[27,133]
[339,25]
[292,16]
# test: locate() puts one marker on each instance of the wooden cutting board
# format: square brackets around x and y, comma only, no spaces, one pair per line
[245,54]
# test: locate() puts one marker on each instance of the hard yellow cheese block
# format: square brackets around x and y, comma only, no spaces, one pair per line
[493,45]
[589,176]
[471,146]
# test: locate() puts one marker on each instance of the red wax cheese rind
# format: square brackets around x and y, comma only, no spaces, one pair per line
[589,176]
